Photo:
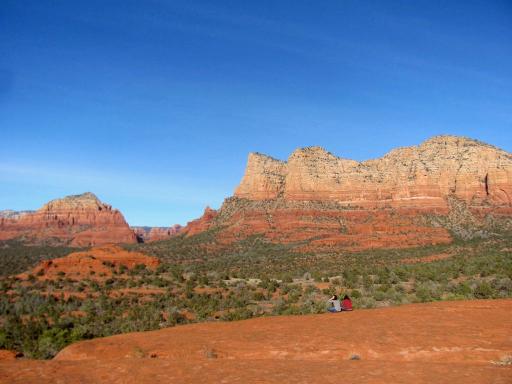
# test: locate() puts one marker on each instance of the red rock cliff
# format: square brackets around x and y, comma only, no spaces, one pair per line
[409,197]
[439,167]
[78,220]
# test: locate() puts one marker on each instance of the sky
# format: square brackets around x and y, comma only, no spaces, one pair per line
[155,105]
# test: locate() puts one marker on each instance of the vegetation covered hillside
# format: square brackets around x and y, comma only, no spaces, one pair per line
[199,280]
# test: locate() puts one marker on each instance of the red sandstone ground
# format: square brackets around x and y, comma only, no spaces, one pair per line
[446,342]
[7,355]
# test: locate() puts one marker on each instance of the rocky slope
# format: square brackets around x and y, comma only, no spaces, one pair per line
[411,196]
[78,220]
[93,264]
[445,342]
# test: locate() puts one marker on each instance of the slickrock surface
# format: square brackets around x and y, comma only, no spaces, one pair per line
[149,234]
[79,265]
[446,342]
[7,355]
[409,197]
[78,220]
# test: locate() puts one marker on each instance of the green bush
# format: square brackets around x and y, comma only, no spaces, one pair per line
[483,291]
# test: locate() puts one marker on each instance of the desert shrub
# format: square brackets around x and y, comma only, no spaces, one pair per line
[365,302]
[462,289]
[367,281]
[310,289]
[294,296]
[483,291]
[379,296]
[52,341]
[287,279]
[237,314]
[317,276]
[259,296]
[423,294]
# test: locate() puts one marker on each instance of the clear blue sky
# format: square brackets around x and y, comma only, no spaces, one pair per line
[154,105]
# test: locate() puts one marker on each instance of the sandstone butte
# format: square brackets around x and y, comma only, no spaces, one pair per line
[411,196]
[465,342]
[78,220]
[79,265]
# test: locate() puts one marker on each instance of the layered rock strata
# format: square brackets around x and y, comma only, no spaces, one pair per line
[77,220]
[406,177]
[331,202]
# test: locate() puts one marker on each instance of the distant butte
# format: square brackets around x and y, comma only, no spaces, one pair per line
[77,220]
[149,234]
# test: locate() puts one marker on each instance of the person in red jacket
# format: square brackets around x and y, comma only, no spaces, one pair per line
[346,304]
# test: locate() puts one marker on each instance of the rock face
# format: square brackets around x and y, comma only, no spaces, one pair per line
[202,224]
[149,234]
[424,175]
[333,202]
[444,342]
[77,220]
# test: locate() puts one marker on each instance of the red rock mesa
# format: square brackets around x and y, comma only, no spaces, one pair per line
[78,220]
[411,196]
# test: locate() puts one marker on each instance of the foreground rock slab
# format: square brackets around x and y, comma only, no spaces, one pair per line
[448,342]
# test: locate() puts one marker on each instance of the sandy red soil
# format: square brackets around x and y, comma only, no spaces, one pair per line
[7,355]
[448,342]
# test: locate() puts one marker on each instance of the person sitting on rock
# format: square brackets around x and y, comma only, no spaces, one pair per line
[346,304]
[335,304]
